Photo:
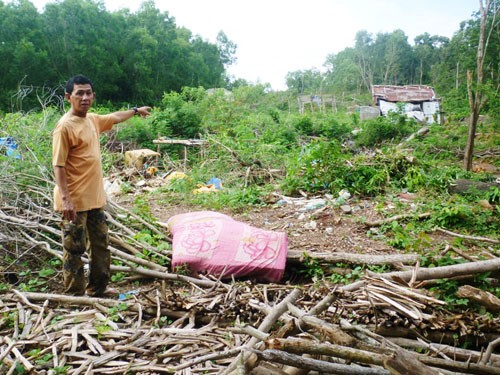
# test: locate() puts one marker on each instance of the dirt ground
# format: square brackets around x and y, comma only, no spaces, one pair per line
[324,228]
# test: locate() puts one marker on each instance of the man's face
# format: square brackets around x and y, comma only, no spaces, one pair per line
[81,98]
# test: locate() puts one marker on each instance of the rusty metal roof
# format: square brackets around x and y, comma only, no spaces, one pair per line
[411,93]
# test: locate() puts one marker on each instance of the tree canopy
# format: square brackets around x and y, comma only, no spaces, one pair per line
[390,59]
[137,57]
[130,56]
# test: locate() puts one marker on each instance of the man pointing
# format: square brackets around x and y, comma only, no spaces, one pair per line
[79,193]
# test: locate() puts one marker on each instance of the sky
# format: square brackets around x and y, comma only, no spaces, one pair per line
[275,37]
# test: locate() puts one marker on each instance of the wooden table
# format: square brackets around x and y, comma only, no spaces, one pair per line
[185,142]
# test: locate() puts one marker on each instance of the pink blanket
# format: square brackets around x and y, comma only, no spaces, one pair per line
[214,243]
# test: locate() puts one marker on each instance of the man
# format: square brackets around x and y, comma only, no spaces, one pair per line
[79,193]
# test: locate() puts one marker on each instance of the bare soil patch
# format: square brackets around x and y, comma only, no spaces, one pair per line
[325,229]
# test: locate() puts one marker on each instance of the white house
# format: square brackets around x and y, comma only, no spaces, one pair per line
[416,101]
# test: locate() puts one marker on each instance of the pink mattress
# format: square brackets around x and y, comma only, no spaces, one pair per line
[214,243]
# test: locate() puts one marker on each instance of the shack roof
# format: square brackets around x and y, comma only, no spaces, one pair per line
[411,93]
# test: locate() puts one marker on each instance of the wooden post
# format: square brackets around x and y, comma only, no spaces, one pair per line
[185,157]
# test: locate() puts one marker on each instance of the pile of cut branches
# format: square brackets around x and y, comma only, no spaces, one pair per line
[173,323]
[205,325]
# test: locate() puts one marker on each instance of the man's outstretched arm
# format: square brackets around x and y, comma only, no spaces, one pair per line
[121,116]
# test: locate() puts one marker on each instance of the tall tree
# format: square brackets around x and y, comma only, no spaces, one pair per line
[82,38]
[364,52]
[398,58]
[475,94]
[227,49]
[343,74]
[428,50]
[305,81]
[22,51]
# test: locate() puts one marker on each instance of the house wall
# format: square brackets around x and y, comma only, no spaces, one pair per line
[431,112]
[427,111]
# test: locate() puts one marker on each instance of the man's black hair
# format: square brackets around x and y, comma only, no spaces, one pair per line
[79,80]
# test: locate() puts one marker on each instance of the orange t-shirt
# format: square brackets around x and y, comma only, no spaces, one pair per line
[76,147]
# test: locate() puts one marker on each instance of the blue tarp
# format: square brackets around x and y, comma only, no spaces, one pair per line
[10,147]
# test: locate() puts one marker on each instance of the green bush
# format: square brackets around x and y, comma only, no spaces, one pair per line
[332,128]
[135,133]
[382,129]
[304,125]
[180,117]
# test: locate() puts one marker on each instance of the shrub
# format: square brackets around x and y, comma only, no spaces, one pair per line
[384,129]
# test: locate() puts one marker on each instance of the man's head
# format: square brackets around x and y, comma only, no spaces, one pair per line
[79,80]
[80,94]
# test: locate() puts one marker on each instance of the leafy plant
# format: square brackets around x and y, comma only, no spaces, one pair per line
[61,369]
[46,272]
[312,267]
[377,131]
[114,312]
[117,276]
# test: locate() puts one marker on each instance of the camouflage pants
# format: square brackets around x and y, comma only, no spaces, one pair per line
[88,232]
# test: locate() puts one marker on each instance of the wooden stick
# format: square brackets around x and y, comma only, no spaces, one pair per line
[137,260]
[298,256]
[436,273]
[276,356]
[136,217]
[300,346]
[376,223]
[168,276]
[491,346]
[448,247]
[487,299]
[27,365]
[208,357]
[265,326]
[473,238]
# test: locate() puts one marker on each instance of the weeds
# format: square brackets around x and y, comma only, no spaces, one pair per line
[251,133]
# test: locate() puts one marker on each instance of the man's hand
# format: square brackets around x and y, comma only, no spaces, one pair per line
[68,210]
[144,111]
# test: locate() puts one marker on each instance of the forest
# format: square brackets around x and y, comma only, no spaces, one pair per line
[145,54]
[392,262]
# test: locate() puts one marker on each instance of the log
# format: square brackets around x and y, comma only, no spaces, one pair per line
[352,258]
[267,368]
[444,350]
[435,273]
[448,337]
[323,304]
[488,300]
[377,223]
[460,367]
[276,356]
[422,131]
[405,363]
[334,333]
[463,186]
[472,238]
[265,327]
[300,346]
[404,360]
